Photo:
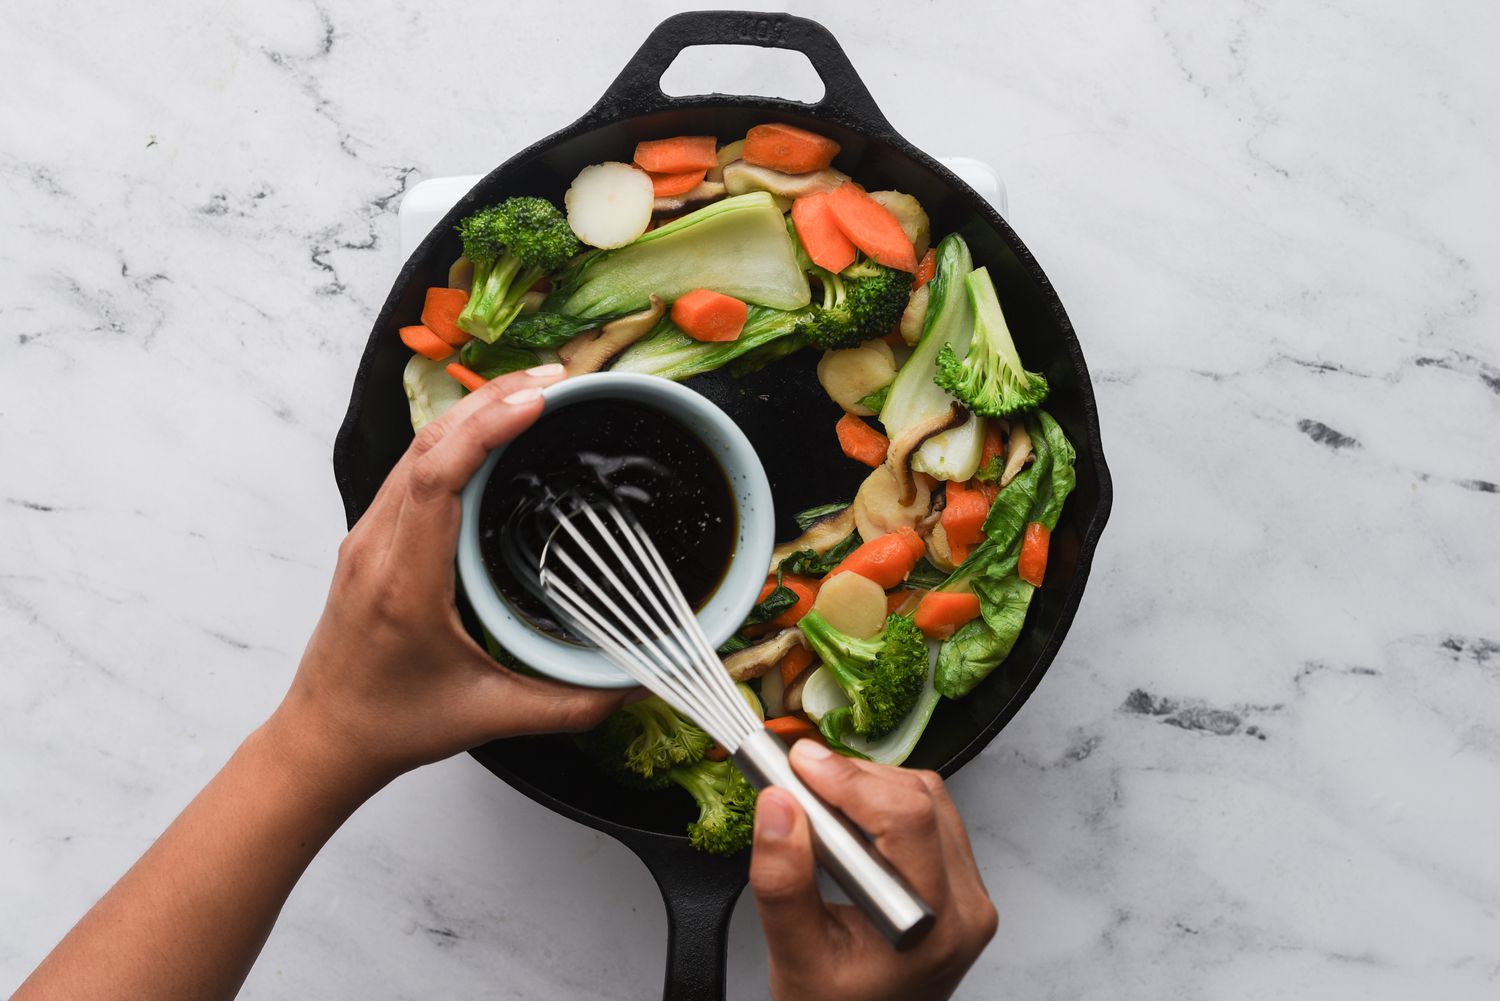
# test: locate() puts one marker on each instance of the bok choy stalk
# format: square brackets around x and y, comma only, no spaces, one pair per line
[821,695]
[738,246]
[914,396]
[672,354]
[430,390]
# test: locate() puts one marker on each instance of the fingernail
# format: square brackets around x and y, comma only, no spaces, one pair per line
[773,815]
[811,750]
[546,371]
[522,396]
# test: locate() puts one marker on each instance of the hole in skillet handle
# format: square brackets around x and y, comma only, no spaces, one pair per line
[637,90]
[778,73]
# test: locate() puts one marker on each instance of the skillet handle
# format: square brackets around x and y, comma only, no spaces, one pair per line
[637,90]
[700,892]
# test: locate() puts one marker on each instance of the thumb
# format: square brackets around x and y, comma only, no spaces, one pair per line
[783,877]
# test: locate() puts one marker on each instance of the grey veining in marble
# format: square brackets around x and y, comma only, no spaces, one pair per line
[1267,762]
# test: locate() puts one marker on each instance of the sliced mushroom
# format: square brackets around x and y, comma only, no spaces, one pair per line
[939,552]
[911,439]
[593,349]
[821,536]
[461,274]
[1018,450]
[910,214]
[914,316]
[878,509]
[791,699]
[753,661]
[705,192]
[741,177]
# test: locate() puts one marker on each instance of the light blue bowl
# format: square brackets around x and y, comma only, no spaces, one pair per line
[730,602]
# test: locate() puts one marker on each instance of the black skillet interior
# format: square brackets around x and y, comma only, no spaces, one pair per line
[782,408]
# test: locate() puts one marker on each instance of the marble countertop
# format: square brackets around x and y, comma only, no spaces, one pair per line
[1266,762]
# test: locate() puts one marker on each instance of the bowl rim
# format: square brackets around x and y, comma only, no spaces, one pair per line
[730,601]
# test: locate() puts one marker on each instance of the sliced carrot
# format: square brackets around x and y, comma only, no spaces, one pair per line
[716,753]
[677,155]
[861,442]
[821,237]
[706,315]
[788,149]
[806,589]
[871,227]
[1031,566]
[899,600]
[992,450]
[791,729]
[669,185]
[885,560]
[941,612]
[926,267]
[467,377]
[964,514]
[794,663]
[440,314]
[994,443]
[425,343]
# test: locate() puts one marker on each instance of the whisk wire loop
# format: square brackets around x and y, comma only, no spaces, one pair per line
[661,646]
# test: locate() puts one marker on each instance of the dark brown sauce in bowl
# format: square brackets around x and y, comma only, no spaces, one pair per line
[641,456]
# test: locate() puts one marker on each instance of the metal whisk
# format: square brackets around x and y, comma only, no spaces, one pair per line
[598,569]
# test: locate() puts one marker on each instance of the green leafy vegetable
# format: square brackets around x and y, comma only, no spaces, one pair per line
[672,354]
[733,644]
[545,330]
[990,379]
[925,576]
[491,360]
[806,518]
[979,646]
[738,246]
[779,600]
[1037,494]
[914,396]
[810,563]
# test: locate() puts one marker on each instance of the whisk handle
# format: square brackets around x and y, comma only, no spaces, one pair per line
[843,849]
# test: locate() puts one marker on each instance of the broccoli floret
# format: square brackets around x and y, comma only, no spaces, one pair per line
[882,675]
[862,302]
[605,746]
[649,737]
[726,806]
[990,379]
[641,742]
[512,245]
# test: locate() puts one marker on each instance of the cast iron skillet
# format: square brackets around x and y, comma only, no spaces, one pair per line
[782,409]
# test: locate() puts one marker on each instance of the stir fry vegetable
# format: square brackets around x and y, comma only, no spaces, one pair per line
[697,256]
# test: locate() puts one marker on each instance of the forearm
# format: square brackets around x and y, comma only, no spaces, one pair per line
[190,917]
